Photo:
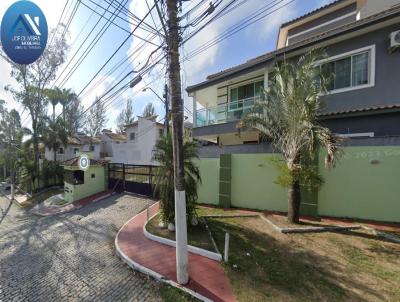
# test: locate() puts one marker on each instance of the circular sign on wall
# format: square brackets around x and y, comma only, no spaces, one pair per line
[24,32]
[84,162]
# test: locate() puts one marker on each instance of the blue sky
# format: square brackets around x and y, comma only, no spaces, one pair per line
[246,44]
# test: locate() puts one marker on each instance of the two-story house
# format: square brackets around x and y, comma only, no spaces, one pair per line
[76,144]
[108,140]
[364,97]
[140,139]
[361,38]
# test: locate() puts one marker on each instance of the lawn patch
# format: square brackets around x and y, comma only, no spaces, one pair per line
[197,235]
[172,294]
[265,265]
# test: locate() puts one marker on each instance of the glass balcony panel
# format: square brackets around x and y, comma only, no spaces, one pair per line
[225,112]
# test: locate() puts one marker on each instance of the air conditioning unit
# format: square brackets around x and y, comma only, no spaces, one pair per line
[394,41]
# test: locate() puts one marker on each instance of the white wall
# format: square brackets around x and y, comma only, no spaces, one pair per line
[139,151]
[69,152]
[106,145]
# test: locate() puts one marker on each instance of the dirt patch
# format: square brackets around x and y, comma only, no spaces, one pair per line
[282,222]
[266,265]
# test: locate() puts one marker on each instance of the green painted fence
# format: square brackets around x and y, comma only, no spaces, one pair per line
[365,184]
[208,191]
[253,183]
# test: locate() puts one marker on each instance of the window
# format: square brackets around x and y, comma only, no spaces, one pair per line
[61,151]
[76,150]
[247,91]
[93,176]
[91,148]
[350,71]
[74,177]
[132,136]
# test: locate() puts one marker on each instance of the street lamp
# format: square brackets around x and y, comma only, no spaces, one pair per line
[165,102]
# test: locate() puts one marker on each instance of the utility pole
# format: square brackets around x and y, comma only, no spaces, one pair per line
[166,98]
[173,39]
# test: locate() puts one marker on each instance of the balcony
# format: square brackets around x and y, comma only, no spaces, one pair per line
[224,113]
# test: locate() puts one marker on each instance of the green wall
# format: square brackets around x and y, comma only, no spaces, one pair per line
[90,187]
[253,183]
[365,184]
[208,191]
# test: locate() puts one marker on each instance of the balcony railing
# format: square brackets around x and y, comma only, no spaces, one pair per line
[224,113]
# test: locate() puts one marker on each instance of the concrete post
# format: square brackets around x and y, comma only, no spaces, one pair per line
[181,238]
[226,253]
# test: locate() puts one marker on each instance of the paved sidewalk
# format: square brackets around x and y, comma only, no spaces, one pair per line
[207,276]
[43,210]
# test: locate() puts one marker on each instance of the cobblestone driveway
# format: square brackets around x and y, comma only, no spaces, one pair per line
[69,257]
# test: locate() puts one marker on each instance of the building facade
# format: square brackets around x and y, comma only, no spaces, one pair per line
[363,103]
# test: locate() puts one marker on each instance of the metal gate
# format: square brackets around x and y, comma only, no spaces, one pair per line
[136,179]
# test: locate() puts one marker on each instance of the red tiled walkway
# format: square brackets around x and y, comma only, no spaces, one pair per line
[207,277]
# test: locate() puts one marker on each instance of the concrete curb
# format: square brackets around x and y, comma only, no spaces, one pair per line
[35,212]
[191,248]
[136,266]
[382,234]
[309,229]
[232,216]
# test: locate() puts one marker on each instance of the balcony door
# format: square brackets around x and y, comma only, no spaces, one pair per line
[242,98]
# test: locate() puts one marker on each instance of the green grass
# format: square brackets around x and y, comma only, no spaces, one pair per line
[40,197]
[204,211]
[171,294]
[262,269]
[197,235]
[265,265]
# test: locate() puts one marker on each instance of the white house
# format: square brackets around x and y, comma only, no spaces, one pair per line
[141,137]
[75,145]
[108,140]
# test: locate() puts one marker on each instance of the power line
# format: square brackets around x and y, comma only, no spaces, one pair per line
[59,22]
[72,16]
[115,52]
[249,20]
[88,49]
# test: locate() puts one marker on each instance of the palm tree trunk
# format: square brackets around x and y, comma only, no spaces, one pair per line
[294,199]
[63,106]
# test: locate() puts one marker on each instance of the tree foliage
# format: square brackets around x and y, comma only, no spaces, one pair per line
[11,135]
[125,117]
[33,83]
[73,115]
[288,118]
[164,180]
[96,119]
[149,111]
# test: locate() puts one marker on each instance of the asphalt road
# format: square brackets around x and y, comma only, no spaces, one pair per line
[69,257]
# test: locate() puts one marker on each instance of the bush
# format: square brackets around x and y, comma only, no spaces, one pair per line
[164,179]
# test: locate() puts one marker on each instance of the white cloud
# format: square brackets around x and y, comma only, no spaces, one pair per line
[271,23]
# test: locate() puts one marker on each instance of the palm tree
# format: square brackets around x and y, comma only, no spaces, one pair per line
[66,96]
[288,117]
[54,135]
[164,179]
[54,96]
